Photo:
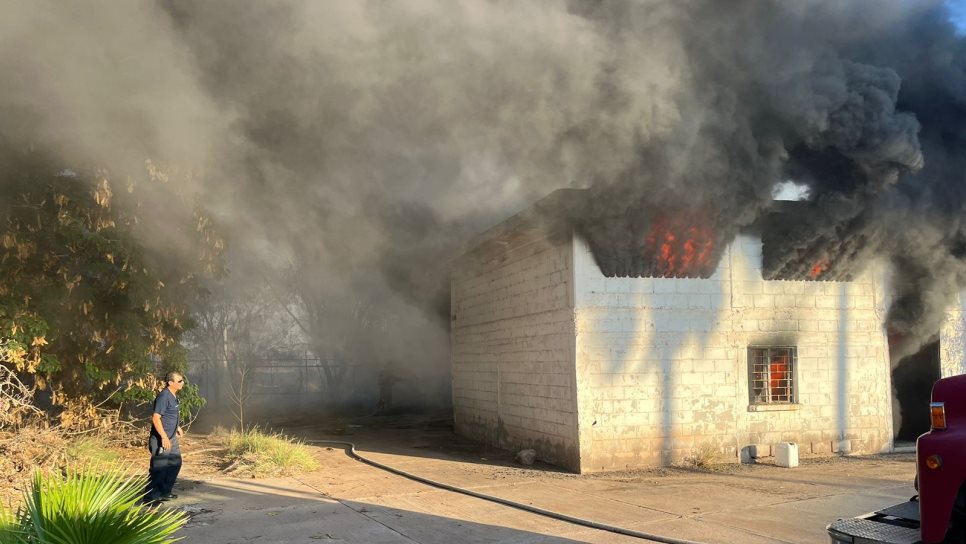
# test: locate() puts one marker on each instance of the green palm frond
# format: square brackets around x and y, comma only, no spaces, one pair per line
[11,528]
[87,507]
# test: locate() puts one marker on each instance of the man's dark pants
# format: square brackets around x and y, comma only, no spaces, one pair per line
[164,468]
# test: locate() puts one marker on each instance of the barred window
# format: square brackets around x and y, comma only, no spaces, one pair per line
[771,375]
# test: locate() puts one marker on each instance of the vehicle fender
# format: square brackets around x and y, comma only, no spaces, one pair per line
[939,488]
[934,513]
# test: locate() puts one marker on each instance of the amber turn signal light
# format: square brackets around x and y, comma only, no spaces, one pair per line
[937,412]
[934,462]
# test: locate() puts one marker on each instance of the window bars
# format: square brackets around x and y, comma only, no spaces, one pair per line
[771,375]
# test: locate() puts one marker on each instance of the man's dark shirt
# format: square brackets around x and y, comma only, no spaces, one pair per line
[166,404]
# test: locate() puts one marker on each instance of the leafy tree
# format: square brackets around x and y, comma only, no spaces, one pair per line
[339,325]
[239,324]
[96,281]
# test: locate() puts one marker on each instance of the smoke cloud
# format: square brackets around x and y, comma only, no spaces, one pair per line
[360,143]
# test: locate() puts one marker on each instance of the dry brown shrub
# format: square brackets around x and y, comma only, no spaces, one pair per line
[39,447]
[704,457]
[16,400]
[29,449]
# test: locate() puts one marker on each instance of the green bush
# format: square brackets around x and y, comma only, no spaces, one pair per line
[264,454]
[88,507]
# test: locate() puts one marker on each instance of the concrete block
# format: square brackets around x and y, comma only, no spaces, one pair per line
[773,287]
[692,379]
[821,447]
[665,286]
[712,287]
[641,285]
[594,285]
[764,301]
[617,285]
[699,301]
[750,454]
[751,287]
[677,301]
[725,392]
[826,301]
[786,454]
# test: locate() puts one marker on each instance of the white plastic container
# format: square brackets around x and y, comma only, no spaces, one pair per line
[786,454]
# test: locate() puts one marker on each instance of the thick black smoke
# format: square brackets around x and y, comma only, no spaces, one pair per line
[862,103]
[775,96]
[364,141]
[911,212]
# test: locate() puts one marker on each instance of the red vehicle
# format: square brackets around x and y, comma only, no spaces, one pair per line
[938,513]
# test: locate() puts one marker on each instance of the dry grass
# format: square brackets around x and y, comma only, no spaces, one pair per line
[94,450]
[260,454]
[219,433]
[30,449]
[706,457]
[52,450]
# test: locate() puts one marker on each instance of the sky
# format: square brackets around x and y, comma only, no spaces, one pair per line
[957,9]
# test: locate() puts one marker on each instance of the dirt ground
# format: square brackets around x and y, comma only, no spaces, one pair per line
[348,501]
[48,450]
[203,453]
[428,446]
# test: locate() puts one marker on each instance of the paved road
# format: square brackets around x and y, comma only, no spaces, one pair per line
[348,501]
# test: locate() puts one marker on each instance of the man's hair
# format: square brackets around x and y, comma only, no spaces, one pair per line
[170,376]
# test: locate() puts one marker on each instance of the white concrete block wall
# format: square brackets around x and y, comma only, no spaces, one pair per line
[607,373]
[513,347]
[662,363]
[952,339]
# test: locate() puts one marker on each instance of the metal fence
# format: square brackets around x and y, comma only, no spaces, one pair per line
[277,386]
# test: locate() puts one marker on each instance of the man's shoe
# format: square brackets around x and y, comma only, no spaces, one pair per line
[168,497]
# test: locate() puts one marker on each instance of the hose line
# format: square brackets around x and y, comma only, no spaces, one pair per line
[350,450]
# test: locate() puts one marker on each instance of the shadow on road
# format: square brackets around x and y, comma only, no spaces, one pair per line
[283,510]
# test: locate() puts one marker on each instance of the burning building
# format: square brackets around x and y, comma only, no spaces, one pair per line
[686,347]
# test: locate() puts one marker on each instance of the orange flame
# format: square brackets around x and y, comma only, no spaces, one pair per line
[820,267]
[680,246]
[778,370]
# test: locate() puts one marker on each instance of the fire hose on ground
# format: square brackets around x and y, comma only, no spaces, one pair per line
[350,450]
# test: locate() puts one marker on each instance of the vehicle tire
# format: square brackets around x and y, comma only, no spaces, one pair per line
[957,523]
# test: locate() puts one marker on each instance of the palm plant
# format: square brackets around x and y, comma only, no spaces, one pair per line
[11,530]
[87,507]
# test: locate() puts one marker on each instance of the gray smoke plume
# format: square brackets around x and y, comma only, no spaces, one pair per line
[364,141]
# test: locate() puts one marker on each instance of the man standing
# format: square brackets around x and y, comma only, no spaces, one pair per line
[386,380]
[163,442]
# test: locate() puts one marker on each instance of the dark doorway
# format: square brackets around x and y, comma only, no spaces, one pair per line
[912,380]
